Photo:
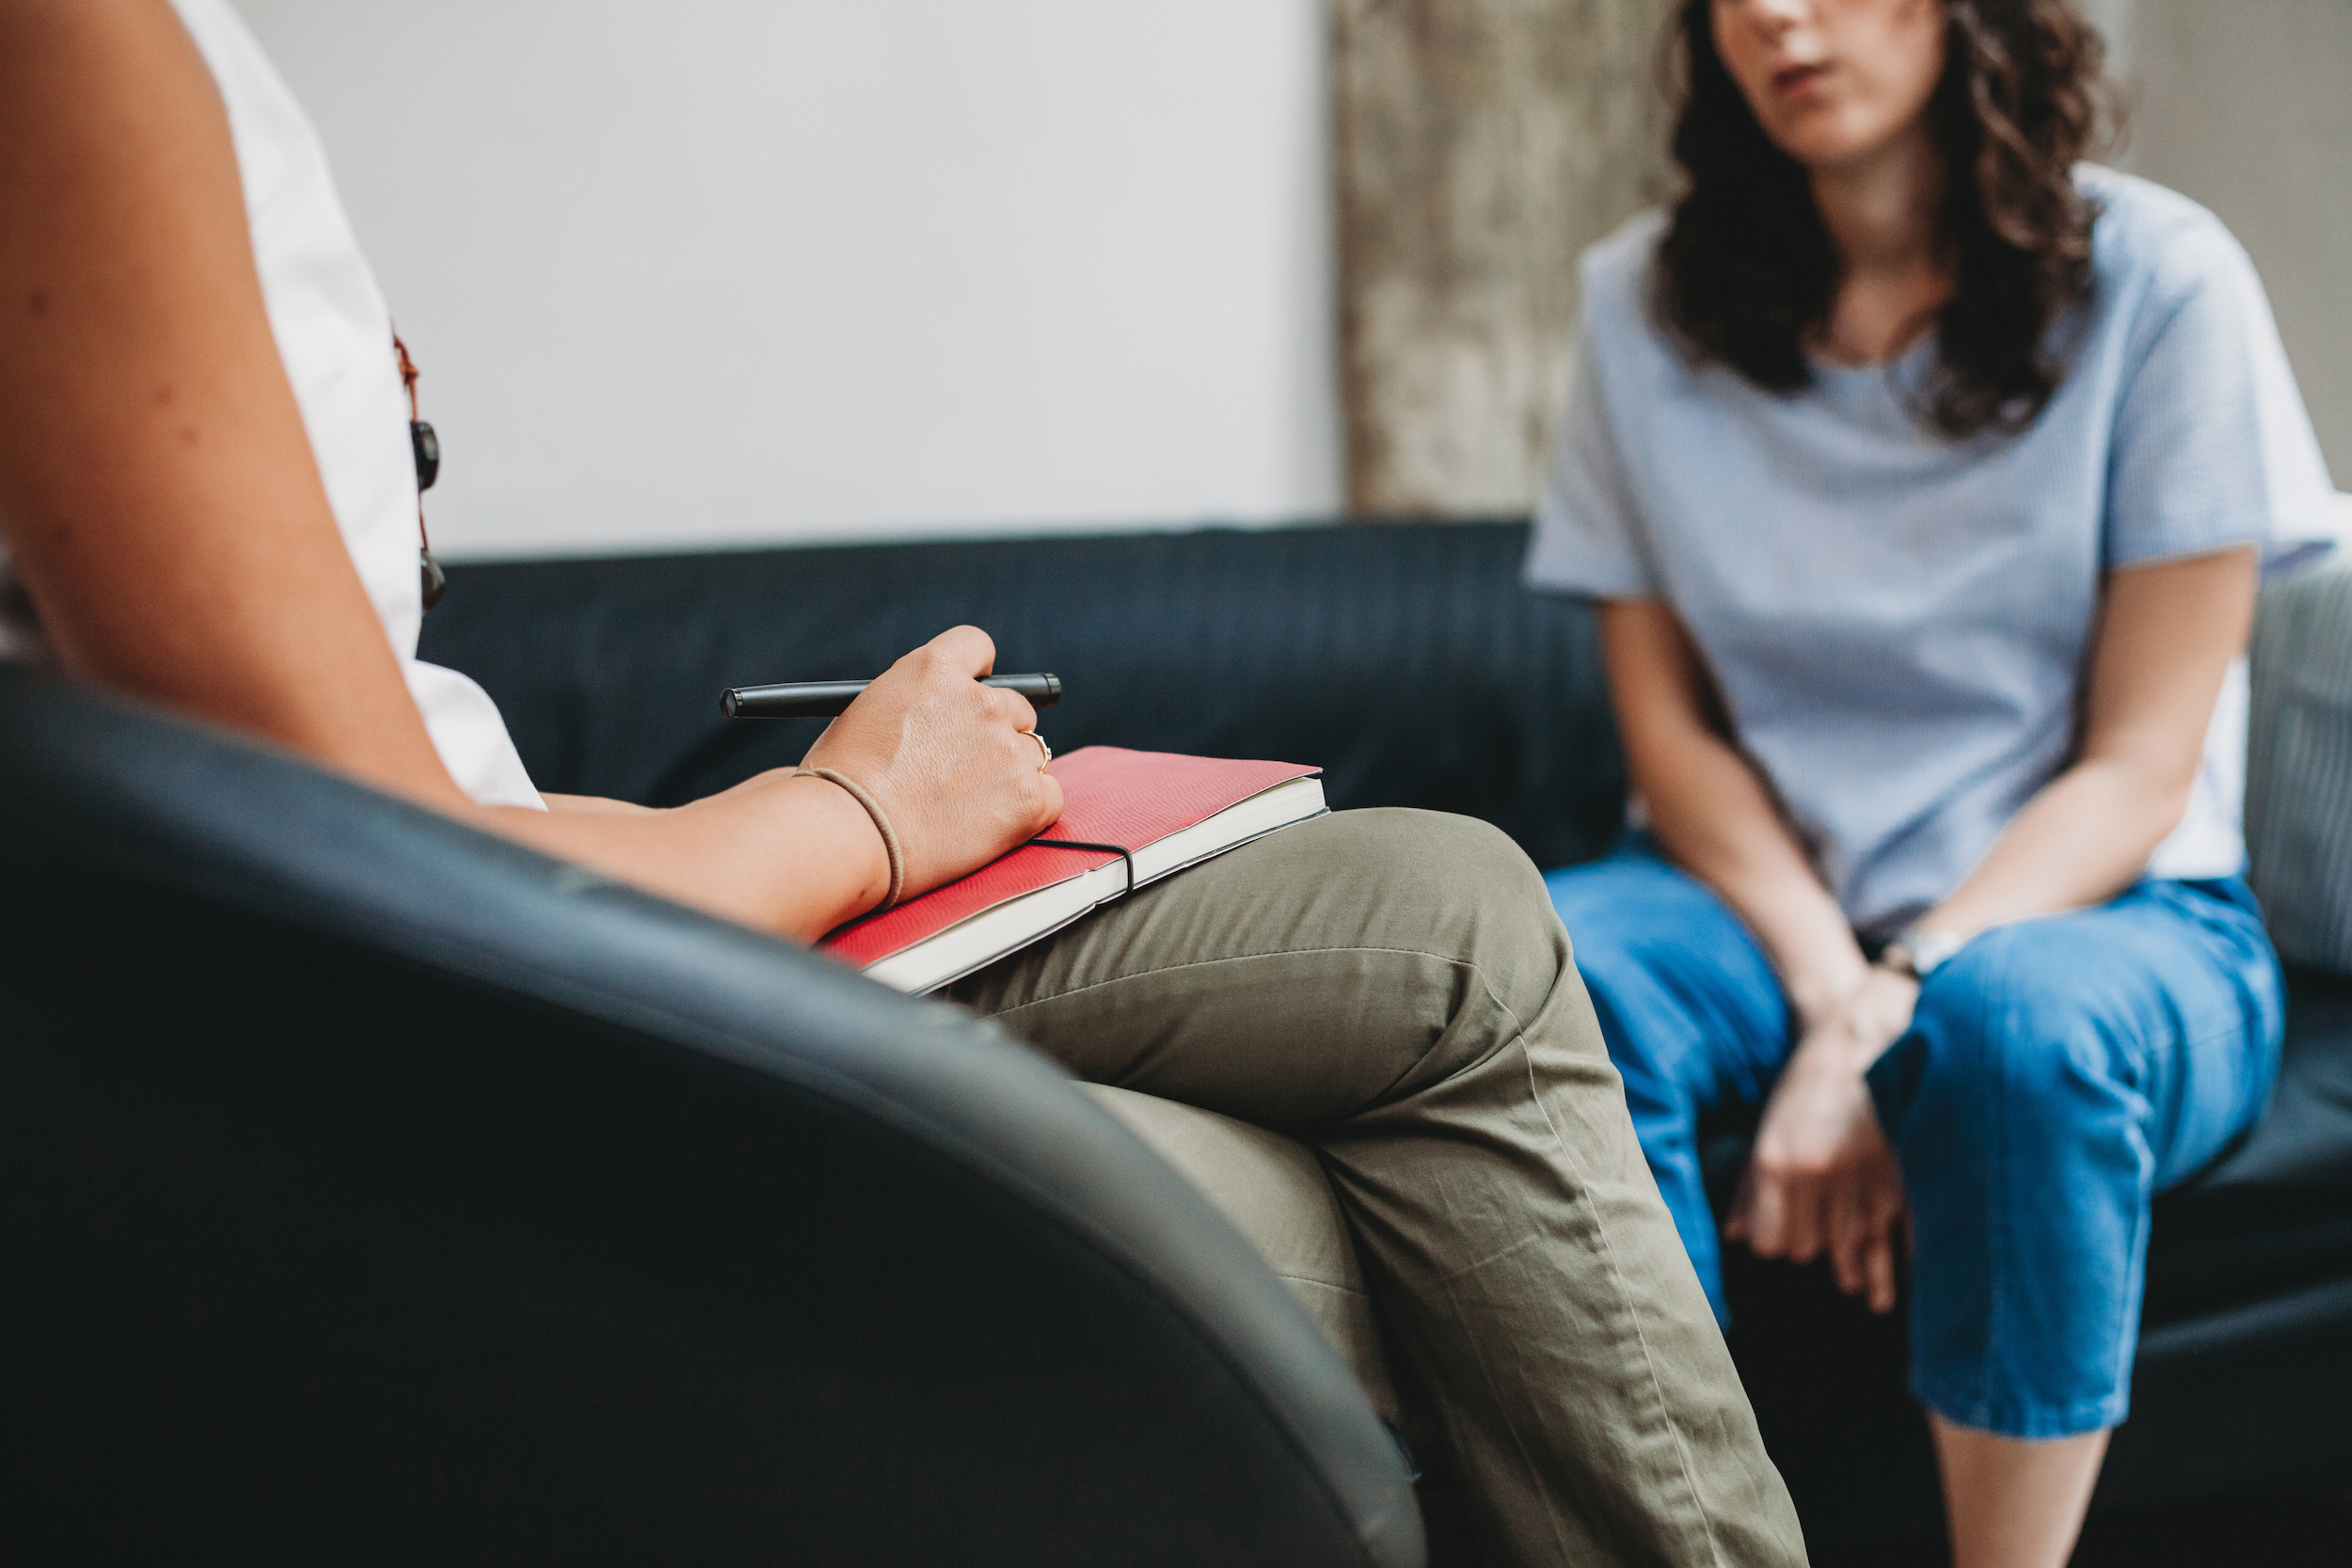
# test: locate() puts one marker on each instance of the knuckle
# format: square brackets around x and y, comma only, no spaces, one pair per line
[971,640]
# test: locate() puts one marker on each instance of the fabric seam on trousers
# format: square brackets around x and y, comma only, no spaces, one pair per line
[1519,1442]
[1996,1226]
[1649,1362]
[1601,1227]
[1447,960]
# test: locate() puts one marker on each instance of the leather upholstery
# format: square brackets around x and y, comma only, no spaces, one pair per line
[377,1191]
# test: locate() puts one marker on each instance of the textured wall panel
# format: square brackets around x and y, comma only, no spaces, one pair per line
[1481,144]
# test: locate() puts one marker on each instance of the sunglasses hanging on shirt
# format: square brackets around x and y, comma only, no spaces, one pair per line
[427,448]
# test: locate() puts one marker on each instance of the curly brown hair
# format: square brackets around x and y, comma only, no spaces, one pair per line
[1747,273]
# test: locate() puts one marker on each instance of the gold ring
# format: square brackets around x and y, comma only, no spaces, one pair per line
[1041,746]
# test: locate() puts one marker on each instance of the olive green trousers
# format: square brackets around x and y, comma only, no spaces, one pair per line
[1392,988]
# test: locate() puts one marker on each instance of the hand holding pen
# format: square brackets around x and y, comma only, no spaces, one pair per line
[944,759]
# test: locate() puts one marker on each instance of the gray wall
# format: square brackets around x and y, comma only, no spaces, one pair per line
[2247,106]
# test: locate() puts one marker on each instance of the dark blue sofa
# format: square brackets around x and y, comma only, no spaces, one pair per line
[1409,663]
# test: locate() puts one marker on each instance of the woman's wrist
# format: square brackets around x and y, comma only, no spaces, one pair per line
[1921,949]
[1873,1016]
[1819,989]
[894,855]
[850,841]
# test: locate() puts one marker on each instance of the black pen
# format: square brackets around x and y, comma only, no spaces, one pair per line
[828,698]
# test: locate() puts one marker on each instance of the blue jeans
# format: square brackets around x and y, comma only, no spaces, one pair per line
[2057,1074]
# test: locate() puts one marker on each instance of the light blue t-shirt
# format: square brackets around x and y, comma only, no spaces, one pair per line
[1899,622]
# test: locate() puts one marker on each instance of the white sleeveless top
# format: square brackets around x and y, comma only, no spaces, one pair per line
[335,335]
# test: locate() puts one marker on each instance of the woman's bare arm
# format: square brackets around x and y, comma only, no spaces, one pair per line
[1711,812]
[155,481]
[159,495]
[2167,633]
[594,805]
[1821,1177]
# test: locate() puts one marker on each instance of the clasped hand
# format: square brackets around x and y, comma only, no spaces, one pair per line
[1823,1176]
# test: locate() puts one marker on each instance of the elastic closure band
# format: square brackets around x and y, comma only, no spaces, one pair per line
[881,825]
[1121,851]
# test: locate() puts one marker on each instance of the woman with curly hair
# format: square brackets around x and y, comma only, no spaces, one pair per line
[1925,473]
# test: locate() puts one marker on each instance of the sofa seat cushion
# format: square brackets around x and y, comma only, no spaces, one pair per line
[2274,1216]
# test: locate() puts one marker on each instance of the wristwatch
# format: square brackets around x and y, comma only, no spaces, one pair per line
[1919,953]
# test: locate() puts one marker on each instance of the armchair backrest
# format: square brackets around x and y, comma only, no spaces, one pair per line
[378,1190]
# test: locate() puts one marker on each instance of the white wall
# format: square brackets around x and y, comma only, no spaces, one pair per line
[2247,106]
[685,273]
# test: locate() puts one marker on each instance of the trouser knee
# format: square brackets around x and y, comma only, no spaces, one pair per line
[2009,1049]
[1459,885]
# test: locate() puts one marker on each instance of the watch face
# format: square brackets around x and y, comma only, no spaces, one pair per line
[1929,949]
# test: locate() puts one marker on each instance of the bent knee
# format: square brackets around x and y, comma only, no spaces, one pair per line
[2024,1019]
[1441,849]
[1437,882]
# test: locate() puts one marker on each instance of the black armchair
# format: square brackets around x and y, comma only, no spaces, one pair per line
[375,1190]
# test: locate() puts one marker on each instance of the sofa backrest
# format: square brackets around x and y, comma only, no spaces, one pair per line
[1406,660]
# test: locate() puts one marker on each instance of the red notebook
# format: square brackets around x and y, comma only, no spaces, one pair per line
[1168,812]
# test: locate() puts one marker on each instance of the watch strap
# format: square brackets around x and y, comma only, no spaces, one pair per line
[1919,952]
